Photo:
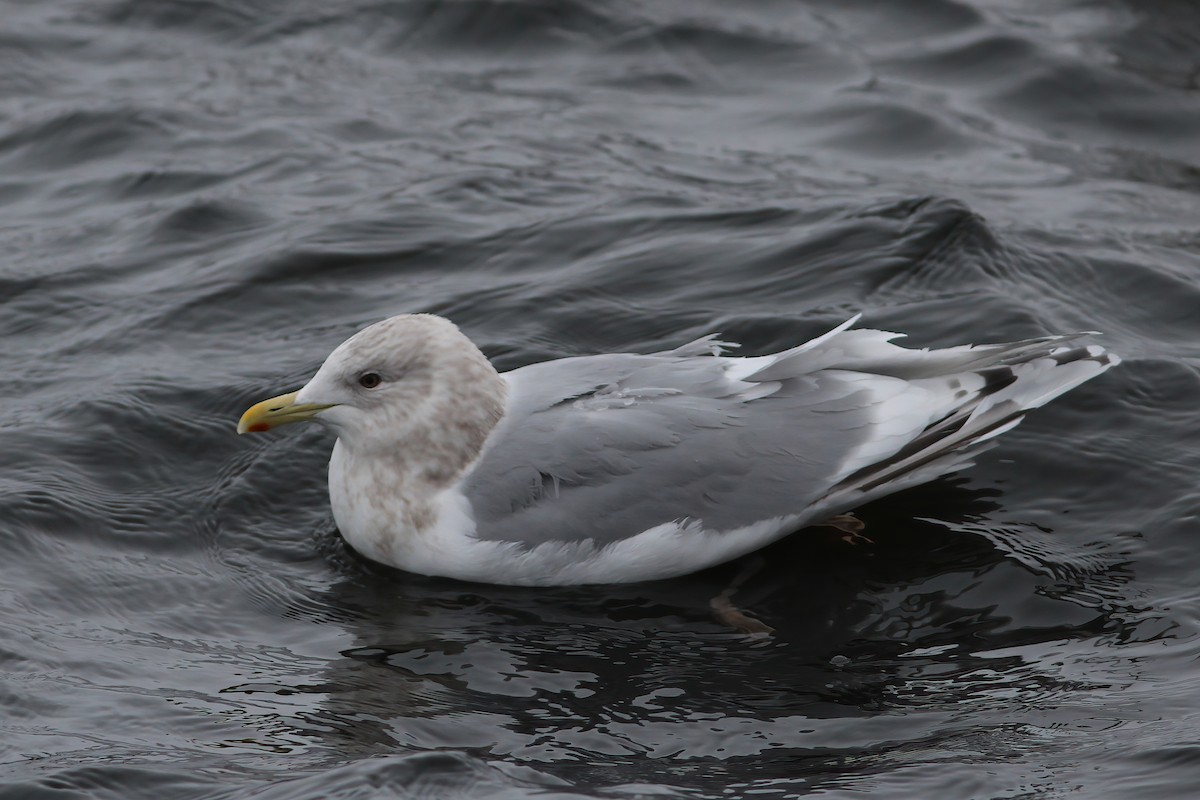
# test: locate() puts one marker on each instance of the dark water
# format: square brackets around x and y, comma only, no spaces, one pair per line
[200,198]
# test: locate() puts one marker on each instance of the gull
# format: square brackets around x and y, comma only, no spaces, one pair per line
[624,467]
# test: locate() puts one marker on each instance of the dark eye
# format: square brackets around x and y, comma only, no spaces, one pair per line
[369,380]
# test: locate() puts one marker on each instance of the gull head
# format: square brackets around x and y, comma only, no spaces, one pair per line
[411,381]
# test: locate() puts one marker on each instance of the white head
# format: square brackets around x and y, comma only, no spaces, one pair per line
[411,387]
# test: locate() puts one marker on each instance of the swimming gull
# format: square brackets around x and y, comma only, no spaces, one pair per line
[626,467]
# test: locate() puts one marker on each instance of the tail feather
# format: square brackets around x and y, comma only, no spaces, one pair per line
[990,396]
[872,352]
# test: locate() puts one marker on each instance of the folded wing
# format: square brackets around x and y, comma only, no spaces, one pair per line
[603,448]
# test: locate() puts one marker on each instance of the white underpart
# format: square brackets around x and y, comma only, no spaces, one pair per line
[450,549]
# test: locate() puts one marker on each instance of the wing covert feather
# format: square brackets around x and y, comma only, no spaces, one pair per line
[606,447]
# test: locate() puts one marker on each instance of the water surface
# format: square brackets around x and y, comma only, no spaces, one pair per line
[198,200]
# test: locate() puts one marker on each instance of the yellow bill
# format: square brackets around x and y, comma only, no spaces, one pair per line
[281,410]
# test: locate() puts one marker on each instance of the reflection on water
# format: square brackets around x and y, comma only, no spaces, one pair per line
[903,649]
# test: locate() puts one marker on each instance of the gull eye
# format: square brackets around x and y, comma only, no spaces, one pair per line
[369,380]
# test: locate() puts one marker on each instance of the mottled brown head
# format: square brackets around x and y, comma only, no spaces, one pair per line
[412,384]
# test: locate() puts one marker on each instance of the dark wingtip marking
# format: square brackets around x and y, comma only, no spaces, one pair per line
[1085,353]
[996,378]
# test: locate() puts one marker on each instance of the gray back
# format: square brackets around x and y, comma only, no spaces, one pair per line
[605,447]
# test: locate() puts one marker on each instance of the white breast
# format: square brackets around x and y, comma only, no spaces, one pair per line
[374,522]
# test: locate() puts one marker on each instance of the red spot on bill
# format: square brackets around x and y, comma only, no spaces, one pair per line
[259,427]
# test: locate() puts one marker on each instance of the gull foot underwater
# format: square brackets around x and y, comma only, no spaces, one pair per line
[850,526]
[623,467]
[728,613]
